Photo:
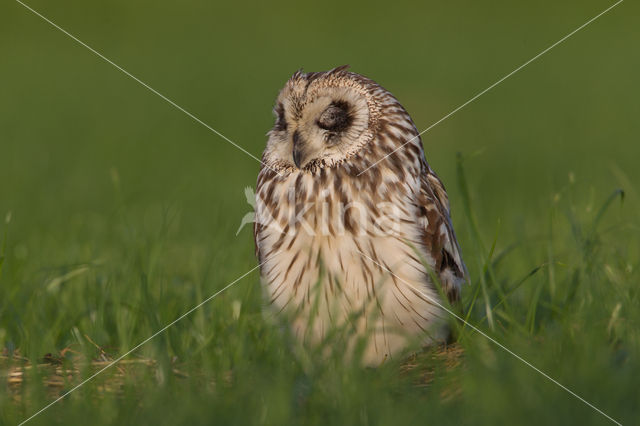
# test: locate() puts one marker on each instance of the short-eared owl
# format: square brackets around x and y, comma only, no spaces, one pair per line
[348,235]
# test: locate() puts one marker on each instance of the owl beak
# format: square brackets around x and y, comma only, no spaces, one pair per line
[298,150]
[297,156]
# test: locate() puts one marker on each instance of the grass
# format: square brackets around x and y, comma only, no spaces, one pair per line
[124,213]
[573,316]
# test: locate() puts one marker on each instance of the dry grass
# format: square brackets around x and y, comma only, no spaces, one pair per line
[450,356]
[61,372]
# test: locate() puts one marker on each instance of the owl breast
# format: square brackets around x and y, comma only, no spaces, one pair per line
[347,257]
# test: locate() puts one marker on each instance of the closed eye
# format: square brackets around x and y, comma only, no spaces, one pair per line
[336,118]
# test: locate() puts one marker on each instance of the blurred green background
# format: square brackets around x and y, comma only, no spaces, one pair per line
[124,210]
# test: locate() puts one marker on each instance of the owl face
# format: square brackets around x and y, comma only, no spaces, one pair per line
[321,119]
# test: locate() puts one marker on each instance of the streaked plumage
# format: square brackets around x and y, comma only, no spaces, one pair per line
[319,220]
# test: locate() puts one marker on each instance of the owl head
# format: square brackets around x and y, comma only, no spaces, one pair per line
[324,118]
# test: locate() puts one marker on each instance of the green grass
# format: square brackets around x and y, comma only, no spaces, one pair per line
[124,211]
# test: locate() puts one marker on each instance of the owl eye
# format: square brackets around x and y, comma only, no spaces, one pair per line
[281,122]
[336,118]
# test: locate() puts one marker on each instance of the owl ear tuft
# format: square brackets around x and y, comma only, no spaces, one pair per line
[297,75]
[339,70]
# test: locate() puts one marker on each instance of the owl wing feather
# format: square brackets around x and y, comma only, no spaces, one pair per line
[438,236]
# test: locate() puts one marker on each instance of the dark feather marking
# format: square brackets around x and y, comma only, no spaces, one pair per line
[398,318]
[295,257]
[326,298]
[285,305]
[420,296]
[296,284]
[277,292]
[330,278]
[400,302]
[366,273]
[293,240]
[418,324]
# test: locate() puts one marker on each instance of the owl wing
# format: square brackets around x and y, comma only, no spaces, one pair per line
[438,236]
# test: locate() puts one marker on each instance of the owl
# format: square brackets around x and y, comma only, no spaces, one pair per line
[353,228]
